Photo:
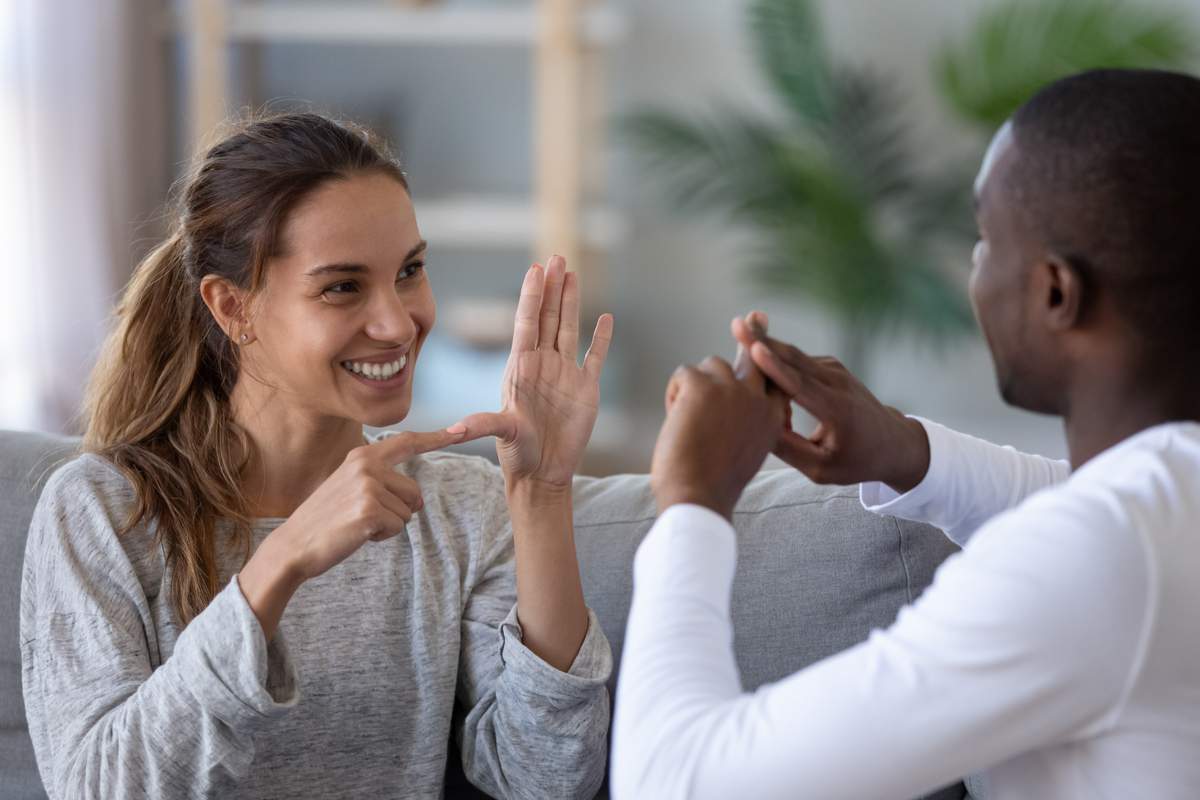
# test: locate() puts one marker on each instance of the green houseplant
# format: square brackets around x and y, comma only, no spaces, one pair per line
[838,213]
[837,210]
[1014,49]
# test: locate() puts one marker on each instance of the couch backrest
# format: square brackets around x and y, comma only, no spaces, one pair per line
[815,573]
[26,460]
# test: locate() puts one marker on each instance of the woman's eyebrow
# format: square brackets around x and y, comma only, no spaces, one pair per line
[416,249]
[325,269]
[358,269]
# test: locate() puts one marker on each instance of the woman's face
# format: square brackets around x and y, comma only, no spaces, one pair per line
[346,304]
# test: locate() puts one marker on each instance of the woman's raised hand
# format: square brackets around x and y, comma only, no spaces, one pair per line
[548,402]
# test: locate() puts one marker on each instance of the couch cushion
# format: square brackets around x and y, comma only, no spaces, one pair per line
[816,572]
[26,460]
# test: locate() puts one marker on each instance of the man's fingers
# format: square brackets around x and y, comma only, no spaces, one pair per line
[682,375]
[757,320]
[746,331]
[556,270]
[499,424]
[783,374]
[593,362]
[798,451]
[798,387]
[796,358]
[568,325]
[749,329]
[397,447]
[525,329]
[718,368]
[741,358]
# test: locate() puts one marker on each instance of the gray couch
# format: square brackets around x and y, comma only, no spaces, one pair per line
[815,574]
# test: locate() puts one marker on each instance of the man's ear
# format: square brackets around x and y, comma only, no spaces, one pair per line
[226,303]
[1059,291]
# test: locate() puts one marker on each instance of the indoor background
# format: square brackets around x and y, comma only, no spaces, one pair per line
[696,158]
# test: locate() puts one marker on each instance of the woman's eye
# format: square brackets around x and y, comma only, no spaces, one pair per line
[345,287]
[411,270]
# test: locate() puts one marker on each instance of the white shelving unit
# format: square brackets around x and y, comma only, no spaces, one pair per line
[483,222]
[568,39]
[390,24]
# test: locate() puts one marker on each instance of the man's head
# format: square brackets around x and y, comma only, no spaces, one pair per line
[1088,205]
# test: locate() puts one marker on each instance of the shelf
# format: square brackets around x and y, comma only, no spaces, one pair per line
[484,222]
[380,23]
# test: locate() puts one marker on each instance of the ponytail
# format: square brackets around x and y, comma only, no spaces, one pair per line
[157,406]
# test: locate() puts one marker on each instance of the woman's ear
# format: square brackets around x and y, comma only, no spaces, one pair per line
[1061,289]
[226,303]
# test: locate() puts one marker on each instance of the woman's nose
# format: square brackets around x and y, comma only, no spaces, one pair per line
[390,320]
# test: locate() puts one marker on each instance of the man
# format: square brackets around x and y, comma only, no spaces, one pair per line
[1060,650]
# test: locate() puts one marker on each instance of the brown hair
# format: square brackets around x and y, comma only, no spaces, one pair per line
[157,404]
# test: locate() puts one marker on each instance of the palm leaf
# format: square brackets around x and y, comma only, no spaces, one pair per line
[723,164]
[792,55]
[1017,48]
[866,134]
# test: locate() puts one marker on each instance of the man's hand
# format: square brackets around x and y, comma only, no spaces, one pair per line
[857,438]
[719,428]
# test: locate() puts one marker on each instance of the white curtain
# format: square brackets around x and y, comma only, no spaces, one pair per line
[81,154]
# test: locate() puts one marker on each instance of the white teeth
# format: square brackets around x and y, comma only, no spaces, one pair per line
[375,371]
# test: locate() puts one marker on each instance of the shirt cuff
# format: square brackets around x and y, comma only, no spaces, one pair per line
[879,498]
[229,666]
[592,665]
[691,551]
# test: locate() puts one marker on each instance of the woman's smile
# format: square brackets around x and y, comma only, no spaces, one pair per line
[379,374]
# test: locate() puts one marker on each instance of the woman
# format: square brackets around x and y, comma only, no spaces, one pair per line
[232,593]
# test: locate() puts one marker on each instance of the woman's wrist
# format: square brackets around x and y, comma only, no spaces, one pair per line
[268,581]
[534,493]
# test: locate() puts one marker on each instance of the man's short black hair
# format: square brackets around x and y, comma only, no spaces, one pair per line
[1108,173]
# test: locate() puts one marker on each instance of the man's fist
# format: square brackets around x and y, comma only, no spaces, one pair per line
[719,428]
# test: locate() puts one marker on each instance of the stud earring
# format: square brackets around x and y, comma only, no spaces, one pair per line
[243,338]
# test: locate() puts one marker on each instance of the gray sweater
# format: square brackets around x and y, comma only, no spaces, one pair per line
[354,697]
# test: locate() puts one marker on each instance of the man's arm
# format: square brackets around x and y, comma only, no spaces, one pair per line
[907,467]
[998,657]
[968,482]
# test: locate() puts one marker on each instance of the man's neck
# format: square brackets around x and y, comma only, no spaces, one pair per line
[295,450]
[1103,414]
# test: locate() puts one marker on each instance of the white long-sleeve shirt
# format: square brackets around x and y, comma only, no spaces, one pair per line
[1059,651]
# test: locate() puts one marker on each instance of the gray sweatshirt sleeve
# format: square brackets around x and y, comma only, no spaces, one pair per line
[530,730]
[104,721]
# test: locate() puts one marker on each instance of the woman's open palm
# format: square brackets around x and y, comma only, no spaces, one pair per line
[548,402]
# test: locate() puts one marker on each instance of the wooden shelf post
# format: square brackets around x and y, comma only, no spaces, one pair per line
[208,69]
[558,133]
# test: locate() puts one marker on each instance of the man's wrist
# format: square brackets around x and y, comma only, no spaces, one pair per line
[915,452]
[683,495]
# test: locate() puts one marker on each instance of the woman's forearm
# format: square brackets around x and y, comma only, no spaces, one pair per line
[550,605]
[268,582]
